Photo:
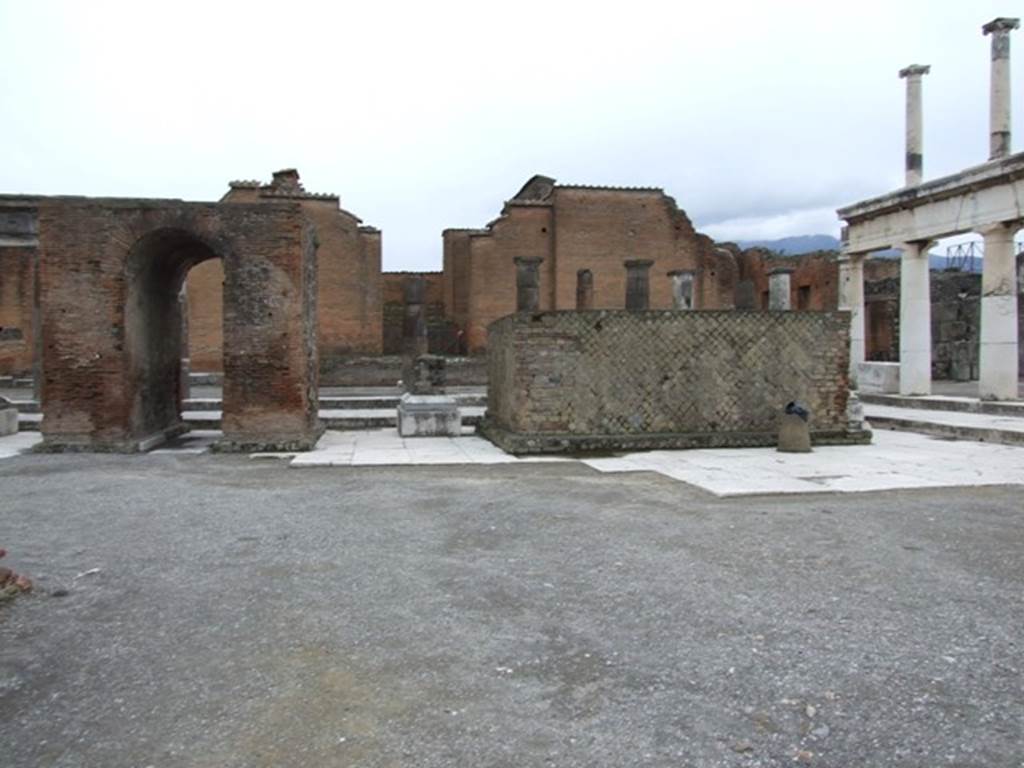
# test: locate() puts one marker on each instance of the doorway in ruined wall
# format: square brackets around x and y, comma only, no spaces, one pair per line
[155,327]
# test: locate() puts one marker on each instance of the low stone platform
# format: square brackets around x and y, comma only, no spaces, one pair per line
[955,424]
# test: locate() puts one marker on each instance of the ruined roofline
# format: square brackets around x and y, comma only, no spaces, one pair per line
[291,195]
[466,230]
[368,229]
[514,203]
[609,188]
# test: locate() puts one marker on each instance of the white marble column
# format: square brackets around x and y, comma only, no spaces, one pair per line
[779,289]
[999,94]
[998,353]
[915,320]
[915,128]
[851,299]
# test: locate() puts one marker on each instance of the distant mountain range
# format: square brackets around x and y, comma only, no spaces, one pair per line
[794,246]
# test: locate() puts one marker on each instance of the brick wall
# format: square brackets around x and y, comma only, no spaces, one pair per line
[16,313]
[607,380]
[814,284]
[349,270]
[574,228]
[111,363]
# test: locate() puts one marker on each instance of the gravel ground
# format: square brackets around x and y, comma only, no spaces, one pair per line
[244,614]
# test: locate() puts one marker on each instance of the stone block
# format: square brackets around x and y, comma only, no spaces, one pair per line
[794,432]
[428,416]
[873,377]
[8,418]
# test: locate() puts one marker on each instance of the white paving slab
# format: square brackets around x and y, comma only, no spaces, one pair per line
[895,460]
[19,442]
[385,447]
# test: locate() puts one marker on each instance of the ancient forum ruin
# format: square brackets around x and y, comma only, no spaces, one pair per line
[590,484]
[111,307]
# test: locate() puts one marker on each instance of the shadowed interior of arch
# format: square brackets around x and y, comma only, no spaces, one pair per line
[155,273]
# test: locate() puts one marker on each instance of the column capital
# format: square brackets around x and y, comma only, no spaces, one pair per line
[681,273]
[1000,227]
[637,263]
[781,271]
[1000,25]
[915,70]
[527,260]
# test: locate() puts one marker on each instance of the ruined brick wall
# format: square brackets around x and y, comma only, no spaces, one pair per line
[456,275]
[17,285]
[350,321]
[572,379]
[524,231]
[575,228]
[110,363]
[814,284]
[598,229]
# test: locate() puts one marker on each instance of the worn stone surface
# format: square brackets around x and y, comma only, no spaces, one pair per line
[561,381]
[794,434]
[112,364]
[8,417]
[529,616]
[424,415]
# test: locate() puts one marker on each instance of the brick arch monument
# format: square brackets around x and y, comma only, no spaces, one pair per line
[110,273]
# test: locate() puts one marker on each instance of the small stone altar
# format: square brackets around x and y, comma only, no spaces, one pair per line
[425,410]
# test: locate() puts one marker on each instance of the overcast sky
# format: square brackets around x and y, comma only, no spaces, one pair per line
[760,118]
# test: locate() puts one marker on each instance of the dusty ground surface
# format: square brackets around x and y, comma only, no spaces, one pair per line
[245,614]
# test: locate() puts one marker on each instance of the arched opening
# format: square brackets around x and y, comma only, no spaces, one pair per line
[154,334]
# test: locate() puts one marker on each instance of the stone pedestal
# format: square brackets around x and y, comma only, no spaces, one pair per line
[794,434]
[8,418]
[428,416]
[425,410]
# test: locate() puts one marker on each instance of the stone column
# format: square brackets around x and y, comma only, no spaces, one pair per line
[999,98]
[915,320]
[999,353]
[915,129]
[527,283]
[682,288]
[184,382]
[638,284]
[414,327]
[851,299]
[779,288]
[584,290]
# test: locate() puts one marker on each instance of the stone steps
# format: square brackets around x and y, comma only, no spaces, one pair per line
[338,418]
[333,418]
[947,403]
[957,425]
